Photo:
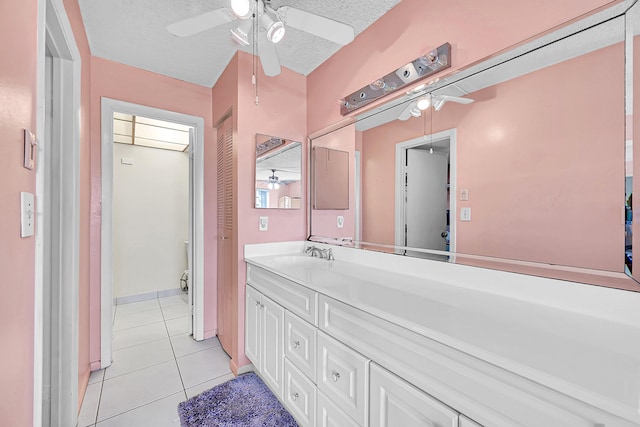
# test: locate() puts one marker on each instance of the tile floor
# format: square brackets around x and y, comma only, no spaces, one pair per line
[156,365]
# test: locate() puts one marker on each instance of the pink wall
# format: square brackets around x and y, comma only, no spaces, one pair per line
[84,365]
[499,149]
[475,30]
[282,112]
[117,81]
[17,112]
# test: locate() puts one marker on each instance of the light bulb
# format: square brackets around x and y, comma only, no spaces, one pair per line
[242,8]
[275,29]
[270,186]
[276,185]
[424,103]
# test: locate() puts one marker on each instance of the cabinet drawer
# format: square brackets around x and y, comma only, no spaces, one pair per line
[292,296]
[329,415]
[466,422]
[299,395]
[343,374]
[394,402]
[300,344]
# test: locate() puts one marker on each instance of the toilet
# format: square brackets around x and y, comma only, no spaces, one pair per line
[184,279]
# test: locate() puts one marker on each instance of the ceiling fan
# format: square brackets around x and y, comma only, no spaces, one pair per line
[416,108]
[271,25]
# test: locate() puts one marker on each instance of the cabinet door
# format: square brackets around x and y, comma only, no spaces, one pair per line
[395,402]
[252,326]
[272,349]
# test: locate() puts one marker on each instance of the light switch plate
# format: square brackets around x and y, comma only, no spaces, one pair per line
[264,223]
[27,214]
[30,148]
[464,194]
[340,221]
[465,214]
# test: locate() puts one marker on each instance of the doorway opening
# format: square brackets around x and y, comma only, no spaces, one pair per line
[119,123]
[56,329]
[425,207]
[151,222]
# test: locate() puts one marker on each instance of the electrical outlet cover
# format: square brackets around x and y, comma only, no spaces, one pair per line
[264,223]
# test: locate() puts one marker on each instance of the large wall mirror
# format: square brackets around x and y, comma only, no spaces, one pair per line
[524,165]
[278,173]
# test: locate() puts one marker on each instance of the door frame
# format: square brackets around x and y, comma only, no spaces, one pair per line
[62,171]
[401,161]
[110,106]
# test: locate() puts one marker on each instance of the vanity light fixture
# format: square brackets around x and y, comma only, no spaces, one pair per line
[425,65]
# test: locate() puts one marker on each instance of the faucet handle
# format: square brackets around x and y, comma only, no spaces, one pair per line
[330,255]
[309,249]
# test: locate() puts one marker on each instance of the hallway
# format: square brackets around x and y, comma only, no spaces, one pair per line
[156,365]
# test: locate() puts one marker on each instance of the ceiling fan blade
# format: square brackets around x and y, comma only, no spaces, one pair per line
[457,99]
[196,24]
[268,57]
[317,25]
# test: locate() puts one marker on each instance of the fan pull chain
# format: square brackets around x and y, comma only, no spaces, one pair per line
[254,78]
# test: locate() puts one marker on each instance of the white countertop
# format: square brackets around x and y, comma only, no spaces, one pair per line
[591,358]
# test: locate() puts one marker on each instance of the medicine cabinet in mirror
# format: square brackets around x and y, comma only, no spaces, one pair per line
[526,162]
[278,173]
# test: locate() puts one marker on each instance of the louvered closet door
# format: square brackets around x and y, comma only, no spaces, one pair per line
[225,230]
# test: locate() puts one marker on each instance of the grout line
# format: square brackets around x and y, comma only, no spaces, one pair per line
[176,360]
[137,407]
[100,397]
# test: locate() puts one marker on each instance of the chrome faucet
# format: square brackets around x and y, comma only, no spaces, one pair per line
[320,253]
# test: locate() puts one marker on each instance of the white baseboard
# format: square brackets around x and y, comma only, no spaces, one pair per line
[147,296]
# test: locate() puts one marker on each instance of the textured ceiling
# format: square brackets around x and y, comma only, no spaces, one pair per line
[133,32]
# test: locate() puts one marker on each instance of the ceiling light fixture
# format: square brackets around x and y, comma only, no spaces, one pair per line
[243,9]
[275,29]
[415,111]
[241,33]
[274,182]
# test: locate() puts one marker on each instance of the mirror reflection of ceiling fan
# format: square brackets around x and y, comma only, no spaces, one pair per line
[271,25]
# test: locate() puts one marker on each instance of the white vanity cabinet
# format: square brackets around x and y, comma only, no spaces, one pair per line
[394,402]
[264,333]
[344,344]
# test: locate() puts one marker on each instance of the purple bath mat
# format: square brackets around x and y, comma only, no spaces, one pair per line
[244,401]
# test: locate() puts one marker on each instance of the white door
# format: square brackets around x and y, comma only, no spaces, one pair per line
[426,199]
[252,326]
[192,233]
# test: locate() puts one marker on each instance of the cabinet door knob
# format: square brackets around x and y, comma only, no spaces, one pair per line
[336,377]
[296,344]
[295,396]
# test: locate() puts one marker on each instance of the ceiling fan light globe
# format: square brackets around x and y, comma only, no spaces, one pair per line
[241,33]
[276,186]
[241,8]
[415,112]
[424,103]
[270,186]
[275,33]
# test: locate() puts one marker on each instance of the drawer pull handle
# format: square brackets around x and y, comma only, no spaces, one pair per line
[296,344]
[336,377]
[295,396]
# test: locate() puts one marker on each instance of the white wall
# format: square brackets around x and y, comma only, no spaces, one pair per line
[151,208]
